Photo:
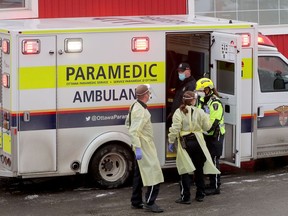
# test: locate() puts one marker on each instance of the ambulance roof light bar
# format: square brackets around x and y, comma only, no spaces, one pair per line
[264,40]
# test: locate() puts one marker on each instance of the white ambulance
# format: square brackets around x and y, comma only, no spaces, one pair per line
[67,85]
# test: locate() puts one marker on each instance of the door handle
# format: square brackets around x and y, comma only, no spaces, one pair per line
[26,116]
[260,112]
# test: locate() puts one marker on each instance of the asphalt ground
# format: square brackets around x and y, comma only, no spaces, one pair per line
[262,192]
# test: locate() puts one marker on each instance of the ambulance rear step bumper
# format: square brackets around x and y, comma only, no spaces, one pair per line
[5,173]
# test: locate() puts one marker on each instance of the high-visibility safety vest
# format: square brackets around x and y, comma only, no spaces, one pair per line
[215,109]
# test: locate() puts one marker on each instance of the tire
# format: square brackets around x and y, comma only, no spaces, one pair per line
[111,166]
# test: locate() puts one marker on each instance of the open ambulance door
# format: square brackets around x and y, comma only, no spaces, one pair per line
[226,75]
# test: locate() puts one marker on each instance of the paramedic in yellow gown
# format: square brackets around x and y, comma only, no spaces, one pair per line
[190,122]
[147,169]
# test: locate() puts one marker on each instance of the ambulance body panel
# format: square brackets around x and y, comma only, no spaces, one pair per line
[67,85]
[271,103]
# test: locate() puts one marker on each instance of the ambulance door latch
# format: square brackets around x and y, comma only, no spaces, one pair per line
[26,116]
[60,52]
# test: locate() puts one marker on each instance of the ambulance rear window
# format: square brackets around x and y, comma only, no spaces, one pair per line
[226,77]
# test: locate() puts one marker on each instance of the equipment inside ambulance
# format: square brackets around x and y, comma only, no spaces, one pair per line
[196,59]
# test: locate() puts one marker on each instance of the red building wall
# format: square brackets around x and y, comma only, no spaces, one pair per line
[90,8]
[280,42]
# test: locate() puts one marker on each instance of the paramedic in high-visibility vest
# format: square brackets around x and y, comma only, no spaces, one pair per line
[209,101]
[148,171]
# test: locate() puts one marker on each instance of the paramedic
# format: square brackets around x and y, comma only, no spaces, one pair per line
[188,122]
[214,137]
[147,167]
[187,84]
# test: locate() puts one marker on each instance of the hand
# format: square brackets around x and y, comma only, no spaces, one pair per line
[171,147]
[205,132]
[206,109]
[138,153]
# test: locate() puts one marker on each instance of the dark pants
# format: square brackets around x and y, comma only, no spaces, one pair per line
[215,147]
[198,158]
[151,193]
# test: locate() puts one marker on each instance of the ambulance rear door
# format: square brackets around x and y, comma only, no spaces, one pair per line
[226,75]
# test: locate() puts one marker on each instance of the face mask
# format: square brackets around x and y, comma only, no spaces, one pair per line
[201,94]
[149,96]
[181,76]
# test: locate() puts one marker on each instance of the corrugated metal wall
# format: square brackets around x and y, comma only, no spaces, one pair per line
[280,42]
[86,8]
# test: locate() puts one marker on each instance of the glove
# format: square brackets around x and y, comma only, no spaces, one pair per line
[206,109]
[171,147]
[138,153]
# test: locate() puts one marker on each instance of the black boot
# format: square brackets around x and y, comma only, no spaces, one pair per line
[212,191]
[199,196]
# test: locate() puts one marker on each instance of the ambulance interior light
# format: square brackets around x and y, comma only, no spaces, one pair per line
[31,46]
[6,46]
[140,44]
[73,45]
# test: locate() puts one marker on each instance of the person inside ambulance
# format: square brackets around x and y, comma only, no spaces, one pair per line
[278,83]
[209,101]
[147,166]
[187,83]
[188,122]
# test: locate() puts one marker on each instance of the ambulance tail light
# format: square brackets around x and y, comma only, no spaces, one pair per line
[6,80]
[6,120]
[246,40]
[264,40]
[31,47]
[140,44]
[6,46]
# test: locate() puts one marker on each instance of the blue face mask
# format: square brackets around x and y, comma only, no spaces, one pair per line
[181,76]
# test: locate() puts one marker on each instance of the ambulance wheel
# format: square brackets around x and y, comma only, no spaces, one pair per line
[111,166]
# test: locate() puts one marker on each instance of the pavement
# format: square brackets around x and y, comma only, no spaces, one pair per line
[256,193]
